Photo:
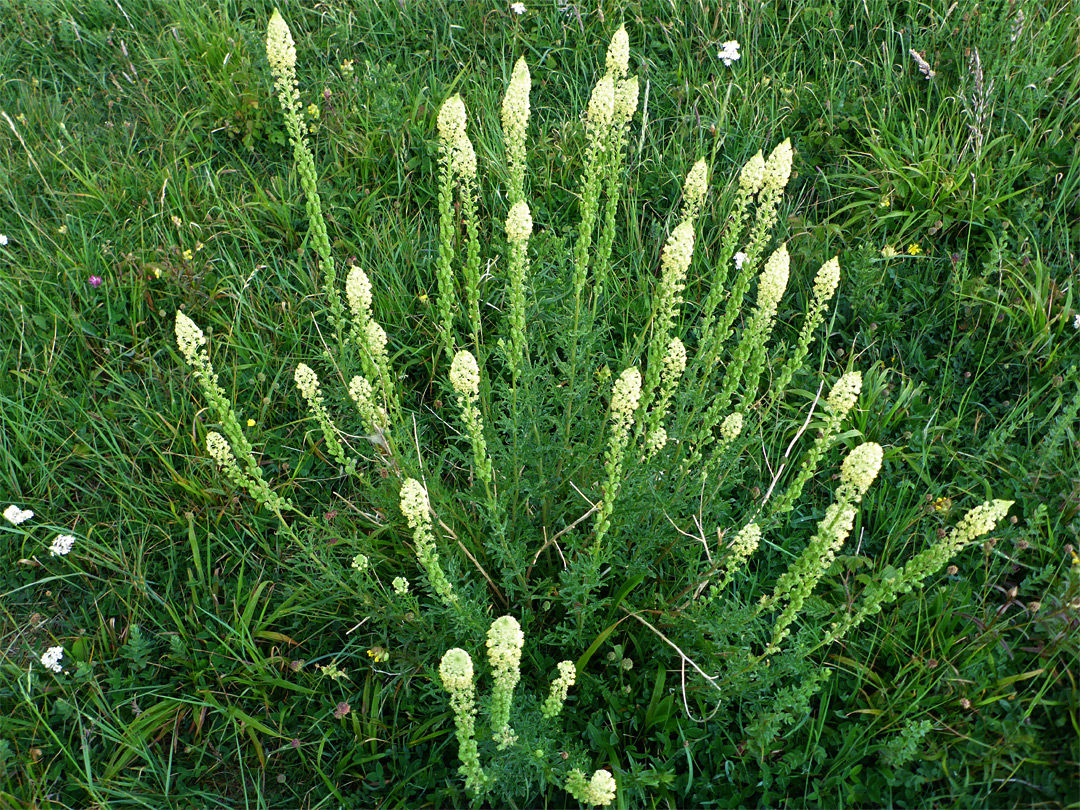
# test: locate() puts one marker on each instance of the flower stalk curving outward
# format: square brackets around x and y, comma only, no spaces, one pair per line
[825,284]
[307,383]
[560,687]
[192,343]
[859,471]
[974,524]
[838,405]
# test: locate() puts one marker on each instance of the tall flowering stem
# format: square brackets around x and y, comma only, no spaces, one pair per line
[751,347]
[451,126]
[977,522]
[825,284]
[308,384]
[771,288]
[841,400]
[625,105]
[858,472]
[504,643]
[625,397]
[417,511]
[674,364]
[519,226]
[192,343]
[281,53]
[456,673]
[674,263]
[515,123]
[774,179]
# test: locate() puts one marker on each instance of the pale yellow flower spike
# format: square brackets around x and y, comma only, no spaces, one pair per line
[618,55]
[515,123]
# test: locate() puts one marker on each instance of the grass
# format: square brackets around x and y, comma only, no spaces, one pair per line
[143,146]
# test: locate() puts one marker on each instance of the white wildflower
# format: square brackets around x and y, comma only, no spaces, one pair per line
[61,545]
[15,515]
[729,52]
[51,659]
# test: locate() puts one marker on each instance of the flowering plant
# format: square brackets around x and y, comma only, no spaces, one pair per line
[571,485]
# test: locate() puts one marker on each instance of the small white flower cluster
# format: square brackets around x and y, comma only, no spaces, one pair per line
[774,280]
[452,122]
[729,52]
[15,515]
[1076,321]
[400,586]
[601,106]
[61,545]
[517,8]
[51,659]
[3,240]
[731,427]
[618,54]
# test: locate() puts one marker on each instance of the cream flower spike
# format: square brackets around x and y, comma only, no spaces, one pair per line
[618,54]
[280,48]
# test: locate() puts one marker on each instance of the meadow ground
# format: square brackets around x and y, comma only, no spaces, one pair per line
[211,661]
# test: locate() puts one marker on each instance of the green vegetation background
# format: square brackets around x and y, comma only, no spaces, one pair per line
[141,144]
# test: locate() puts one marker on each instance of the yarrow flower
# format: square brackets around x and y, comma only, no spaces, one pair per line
[517,8]
[15,515]
[61,545]
[740,260]
[729,52]
[3,240]
[51,659]
[1076,321]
